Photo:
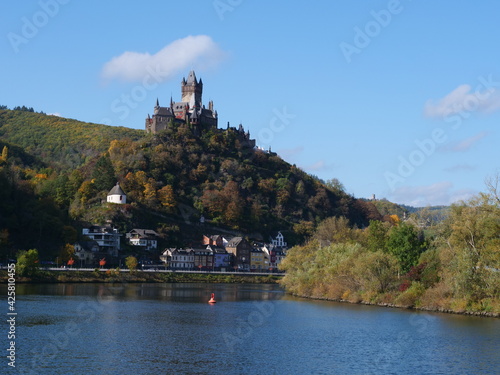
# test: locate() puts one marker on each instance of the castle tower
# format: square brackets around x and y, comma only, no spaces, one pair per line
[192,90]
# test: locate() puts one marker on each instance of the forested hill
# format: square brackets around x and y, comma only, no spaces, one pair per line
[55,174]
[61,143]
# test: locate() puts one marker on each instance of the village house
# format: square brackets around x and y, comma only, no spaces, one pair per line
[106,237]
[274,255]
[145,238]
[279,240]
[222,259]
[257,260]
[203,259]
[86,252]
[181,259]
[240,248]
[214,240]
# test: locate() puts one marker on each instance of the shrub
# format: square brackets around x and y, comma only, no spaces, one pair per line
[409,297]
[437,297]
[27,263]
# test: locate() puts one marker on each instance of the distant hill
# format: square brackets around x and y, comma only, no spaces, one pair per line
[430,214]
[171,179]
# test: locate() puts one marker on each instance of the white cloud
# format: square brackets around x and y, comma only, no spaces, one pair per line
[191,52]
[54,114]
[440,193]
[291,153]
[460,168]
[462,99]
[466,144]
[320,165]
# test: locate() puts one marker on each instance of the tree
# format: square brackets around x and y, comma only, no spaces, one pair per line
[473,242]
[5,154]
[67,252]
[27,263]
[404,244]
[376,270]
[104,174]
[377,235]
[131,263]
[167,198]
[303,229]
[335,186]
[334,230]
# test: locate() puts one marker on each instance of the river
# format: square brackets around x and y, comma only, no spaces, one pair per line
[252,329]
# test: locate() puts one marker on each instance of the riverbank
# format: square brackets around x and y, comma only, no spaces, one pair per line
[114,276]
[487,314]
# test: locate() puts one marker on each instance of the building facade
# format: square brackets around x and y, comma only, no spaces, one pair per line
[181,259]
[145,238]
[241,249]
[106,237]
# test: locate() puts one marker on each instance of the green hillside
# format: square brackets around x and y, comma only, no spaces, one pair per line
[57,172]
[61,143]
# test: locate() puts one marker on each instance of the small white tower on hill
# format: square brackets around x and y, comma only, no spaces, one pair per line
[116,195]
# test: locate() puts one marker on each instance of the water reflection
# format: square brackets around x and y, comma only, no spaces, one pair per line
[253,329]
[178,292]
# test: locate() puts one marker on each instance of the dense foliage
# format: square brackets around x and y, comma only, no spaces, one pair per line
[55,174]
[452,265]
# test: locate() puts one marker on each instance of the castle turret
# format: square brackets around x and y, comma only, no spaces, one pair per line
[192,89]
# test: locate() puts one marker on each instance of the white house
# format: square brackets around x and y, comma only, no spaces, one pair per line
[146,238]
[279,241]
[117,195]
[178,258]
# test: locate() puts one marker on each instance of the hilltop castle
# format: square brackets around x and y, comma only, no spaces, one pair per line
[189,110]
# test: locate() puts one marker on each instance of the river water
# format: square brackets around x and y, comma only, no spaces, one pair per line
[252,329]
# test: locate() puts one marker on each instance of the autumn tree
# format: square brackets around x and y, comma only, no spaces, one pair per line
[66,253]
[167,198]
[473,243]
[303,229]
[334,230]
[5,155]
[131,263]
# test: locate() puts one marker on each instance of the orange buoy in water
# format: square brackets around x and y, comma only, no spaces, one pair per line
[212,299]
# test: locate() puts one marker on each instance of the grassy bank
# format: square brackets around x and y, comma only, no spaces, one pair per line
[452,308]
[113,276]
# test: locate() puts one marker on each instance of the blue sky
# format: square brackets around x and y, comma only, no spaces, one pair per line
[395,98]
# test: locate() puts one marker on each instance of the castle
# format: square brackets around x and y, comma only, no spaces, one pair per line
[188,111]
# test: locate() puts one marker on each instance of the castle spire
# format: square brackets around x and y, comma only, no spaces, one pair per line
[157,102]
[192,78]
